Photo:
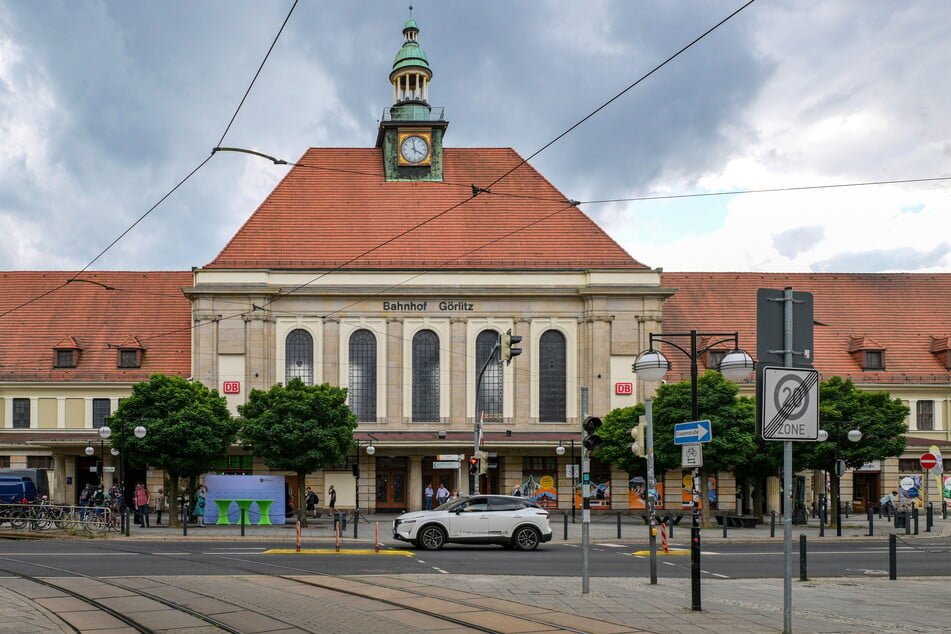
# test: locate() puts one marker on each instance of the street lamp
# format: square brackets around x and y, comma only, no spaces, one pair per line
[853,435]
[104,434]
[652,365]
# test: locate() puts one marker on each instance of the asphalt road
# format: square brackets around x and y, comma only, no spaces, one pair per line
[725,560]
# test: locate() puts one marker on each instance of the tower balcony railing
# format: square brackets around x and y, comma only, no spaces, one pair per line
[412,112]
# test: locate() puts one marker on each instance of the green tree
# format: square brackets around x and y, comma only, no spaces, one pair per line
[844,407]
[733,429]
[616,435]
[299,428]
[188,429]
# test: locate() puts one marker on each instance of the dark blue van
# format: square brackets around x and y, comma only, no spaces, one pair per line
[14,489]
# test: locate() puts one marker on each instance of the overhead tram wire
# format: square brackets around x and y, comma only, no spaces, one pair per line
[620,94]
[179,184]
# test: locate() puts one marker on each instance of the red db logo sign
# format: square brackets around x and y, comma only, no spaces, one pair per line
[232,387]
[623,388]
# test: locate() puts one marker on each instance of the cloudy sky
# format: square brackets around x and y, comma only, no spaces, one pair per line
[106,106]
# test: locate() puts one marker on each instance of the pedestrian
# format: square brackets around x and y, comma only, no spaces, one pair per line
[311,499]
[85,499]
[160,506]
[428,494]
[332,496]
[141,499]
[199,511]
[517,491]
[887,504]
[442,494]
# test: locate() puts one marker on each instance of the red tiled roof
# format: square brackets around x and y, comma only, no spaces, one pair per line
[898,312]
[146,308]
[335,210]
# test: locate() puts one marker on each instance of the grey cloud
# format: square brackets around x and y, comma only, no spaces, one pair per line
[884,260]
[792,242]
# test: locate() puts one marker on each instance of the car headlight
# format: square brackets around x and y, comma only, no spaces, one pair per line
[407,522]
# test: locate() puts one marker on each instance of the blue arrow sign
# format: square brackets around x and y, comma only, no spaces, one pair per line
[694,432]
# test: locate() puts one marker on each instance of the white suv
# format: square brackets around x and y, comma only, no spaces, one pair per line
[511,521]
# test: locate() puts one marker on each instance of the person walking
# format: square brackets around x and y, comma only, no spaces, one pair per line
[332,504]
[428,495]
[160,506]
[85,499]
[442,494]
[311,499]
[141,499]
[199,511]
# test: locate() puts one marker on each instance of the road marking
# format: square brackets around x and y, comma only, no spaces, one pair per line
[331,551]
[661,553]
[613,545]
[719,575]
[440,570]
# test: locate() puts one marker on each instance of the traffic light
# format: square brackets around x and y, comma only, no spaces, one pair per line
[590,426]
[639,446]
[473,466]
[483,462]
[508,340]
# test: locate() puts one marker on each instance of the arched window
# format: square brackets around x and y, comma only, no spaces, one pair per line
[425,376]
[489,401]
[299,357]
[551,378]
[362,386]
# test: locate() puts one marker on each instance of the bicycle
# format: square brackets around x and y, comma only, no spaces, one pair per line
[101,519]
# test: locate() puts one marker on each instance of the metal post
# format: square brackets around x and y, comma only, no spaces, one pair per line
[242,519]
[566,528]
[476,422]
[907,522]
[944,510]
[929,517]
[695,526]
[822,522]
[651,486]
[723,520]
[838,508]
[914,517]
[772,523]
[184,516]
[585,501]
[871,522]
[574,464]
[802,558]
[892,556]
[787,470]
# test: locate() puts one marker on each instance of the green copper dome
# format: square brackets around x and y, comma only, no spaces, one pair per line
[411,54]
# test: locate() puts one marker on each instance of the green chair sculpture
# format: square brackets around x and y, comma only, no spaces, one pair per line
[244,506]
[223,506]
[264,506]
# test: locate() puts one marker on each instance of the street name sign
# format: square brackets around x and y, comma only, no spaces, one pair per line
[691,456]
[445,464]
[790,404]
[692,432]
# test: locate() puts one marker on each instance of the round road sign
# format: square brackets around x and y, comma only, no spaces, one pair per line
[929,461]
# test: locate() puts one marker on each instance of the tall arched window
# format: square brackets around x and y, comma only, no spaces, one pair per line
[551,378]
[362,386]
[299,357]
[425,376]
[489,401]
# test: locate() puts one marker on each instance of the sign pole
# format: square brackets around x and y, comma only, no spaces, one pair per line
[651,486]
[585,501]
[787,471]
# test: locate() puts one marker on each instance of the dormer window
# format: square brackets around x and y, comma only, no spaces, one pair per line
[714,357]
[66,353]
[941,348]
[868,352]
[130,353]
[66,358]
[874,360]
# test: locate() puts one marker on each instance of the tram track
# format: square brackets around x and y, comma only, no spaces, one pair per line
[186,595]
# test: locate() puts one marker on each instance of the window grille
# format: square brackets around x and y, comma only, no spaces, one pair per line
[65,358]
[100,409]
[551,378]
[425,376]
[21,413]
[925,418]
[362,383]
[299,356]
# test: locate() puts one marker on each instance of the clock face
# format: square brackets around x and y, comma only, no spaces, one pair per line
[414,149]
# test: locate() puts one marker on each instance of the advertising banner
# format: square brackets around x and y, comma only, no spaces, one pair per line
[258,494]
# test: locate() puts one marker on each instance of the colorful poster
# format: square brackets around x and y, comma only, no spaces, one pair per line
[600,495]
[910,491]
[543,490]
[637,494]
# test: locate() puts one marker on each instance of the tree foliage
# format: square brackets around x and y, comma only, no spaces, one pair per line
[616,435]
[298,427]
[188,429]
[843,407]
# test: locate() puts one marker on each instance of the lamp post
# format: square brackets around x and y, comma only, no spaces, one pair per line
[139,432]
[652,365]
[854,435]
[104,433]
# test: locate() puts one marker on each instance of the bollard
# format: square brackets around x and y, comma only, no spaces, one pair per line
[907,523]
[619,524]
[566,527]
[670,525]
[848,507]
[822,522]
[871,520]
[663,537]
[914,516]
[892,556]
[929,517]
[723,519]
[944,510]
[772,524]
[244,519]
[802,558]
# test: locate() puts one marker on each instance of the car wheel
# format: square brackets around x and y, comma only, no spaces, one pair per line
[431,538]
[526,538]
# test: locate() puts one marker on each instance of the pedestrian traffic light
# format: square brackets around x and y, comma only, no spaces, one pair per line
[473,466]
[590,426]
[508,340]
[639,446]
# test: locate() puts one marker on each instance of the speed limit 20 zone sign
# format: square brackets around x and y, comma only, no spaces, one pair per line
[790,404]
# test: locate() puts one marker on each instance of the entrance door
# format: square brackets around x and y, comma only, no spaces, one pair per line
[391,478]
[435,477]
[865,491]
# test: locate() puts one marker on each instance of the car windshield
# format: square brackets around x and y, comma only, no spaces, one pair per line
[445,506]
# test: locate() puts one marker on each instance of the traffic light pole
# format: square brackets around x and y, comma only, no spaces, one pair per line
[476,420]
[585,501]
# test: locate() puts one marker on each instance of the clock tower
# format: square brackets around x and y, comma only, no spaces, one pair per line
[411,131]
